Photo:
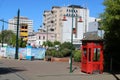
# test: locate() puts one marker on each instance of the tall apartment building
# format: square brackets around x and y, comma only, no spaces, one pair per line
[25,26]
[53,22]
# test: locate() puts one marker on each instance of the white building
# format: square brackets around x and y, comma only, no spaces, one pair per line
[78,30]
[54,22]
[22,20]
[37,38]
[79,27]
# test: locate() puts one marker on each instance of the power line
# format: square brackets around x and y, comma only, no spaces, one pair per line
[7,22]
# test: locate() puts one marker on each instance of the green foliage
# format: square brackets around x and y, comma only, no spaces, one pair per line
[10,38]
[63,51]
[66,52]
[44,43]
[67,45]
[48,43]
[59,53]
[22,43]
[57,43]
[111,24]
[77,55]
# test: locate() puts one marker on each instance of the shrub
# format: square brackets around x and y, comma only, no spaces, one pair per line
[57,43]
[67,45]
[77,55]
[58,54]
[66,52]
[53,52]
[48,52]
[63,51]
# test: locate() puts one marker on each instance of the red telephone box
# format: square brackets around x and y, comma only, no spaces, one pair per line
[92,55]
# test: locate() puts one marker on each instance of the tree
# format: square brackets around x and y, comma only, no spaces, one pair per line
[67,45]
[9,37]
[48,43]
[111,24]
[56,43]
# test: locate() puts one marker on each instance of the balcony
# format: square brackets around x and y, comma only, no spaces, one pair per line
[23,34]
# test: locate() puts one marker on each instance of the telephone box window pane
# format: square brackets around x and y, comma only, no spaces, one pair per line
[89,55]
[96,56]
[85,52]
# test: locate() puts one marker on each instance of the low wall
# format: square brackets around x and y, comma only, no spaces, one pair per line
[54,59]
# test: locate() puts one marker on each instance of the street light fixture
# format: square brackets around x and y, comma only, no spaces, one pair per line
[80,19]
[64,18]
[73,30]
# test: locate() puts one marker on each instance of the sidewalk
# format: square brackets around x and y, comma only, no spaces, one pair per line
[42,70]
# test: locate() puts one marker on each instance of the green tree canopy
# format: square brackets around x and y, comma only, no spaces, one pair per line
[10,38]
[67,45]
[111,24]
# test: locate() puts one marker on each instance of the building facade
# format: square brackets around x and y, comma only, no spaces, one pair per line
[53,22]
[25,26]
[36,39]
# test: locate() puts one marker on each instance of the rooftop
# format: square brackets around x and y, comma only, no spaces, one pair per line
[92,37]
[75,6]
[21,17]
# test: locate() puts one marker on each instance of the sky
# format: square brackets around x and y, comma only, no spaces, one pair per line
[33,9]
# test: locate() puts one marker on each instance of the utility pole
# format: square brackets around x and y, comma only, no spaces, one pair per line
[2,32]
[18,16]
[80,20]
[71,41]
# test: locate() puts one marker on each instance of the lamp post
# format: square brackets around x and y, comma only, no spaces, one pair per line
[18,15]
[2,20]
[80,20]
[2,32]
[71,42]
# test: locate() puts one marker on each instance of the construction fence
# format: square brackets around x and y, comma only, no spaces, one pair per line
[9,52]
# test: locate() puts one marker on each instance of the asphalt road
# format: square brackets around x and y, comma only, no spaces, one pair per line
[11,69]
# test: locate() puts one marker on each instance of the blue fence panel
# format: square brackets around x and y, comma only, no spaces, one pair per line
[10,52]
[38,53]
[23,52]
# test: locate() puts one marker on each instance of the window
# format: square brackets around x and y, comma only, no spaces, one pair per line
[67,10]
[85,52]
[39,37]
[69,14]
[76,11]
[66,14]
[25,27]
[89,55]
[96,56]
[74,30]
[76,15]
[43,37]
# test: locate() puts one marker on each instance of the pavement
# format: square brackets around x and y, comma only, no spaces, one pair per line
[11,69]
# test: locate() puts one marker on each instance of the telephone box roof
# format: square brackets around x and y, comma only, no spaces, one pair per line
[92,37]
